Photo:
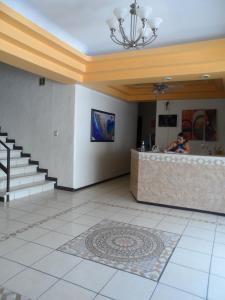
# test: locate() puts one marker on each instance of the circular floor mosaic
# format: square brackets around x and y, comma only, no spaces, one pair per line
[123,243]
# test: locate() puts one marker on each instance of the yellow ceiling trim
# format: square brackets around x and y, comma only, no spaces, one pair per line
[25,45]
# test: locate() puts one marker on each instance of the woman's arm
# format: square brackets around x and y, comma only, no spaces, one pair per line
[171,146]
[187,148]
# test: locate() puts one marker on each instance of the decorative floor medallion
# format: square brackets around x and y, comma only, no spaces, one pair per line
[138,250]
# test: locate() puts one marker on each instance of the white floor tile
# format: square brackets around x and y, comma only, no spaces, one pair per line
[173,219]
[204,216]
[203,225]
[127,286]
[221,228]
[8,269]
[221,220]
[144,222]
[99,297]
[57,263]
[10,245]
[10,226]
[53,239]
[72,229]
[219,250]
[150,216]
[218,266]
[47,211]
[220,237]
[216,288]
[30,218]
[163,292]
[171,227]
[32,233]
[192,259]
[195,244]
[100,213]
[186,279]
[88,220]
[90,275]
[28,254]
[65,291]
[53,224]
[30,283]
[187,268]
[121,218]
[197,232]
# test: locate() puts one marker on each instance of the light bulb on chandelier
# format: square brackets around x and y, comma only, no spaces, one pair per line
[143,28]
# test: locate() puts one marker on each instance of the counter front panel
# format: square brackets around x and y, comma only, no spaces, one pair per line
[188,181]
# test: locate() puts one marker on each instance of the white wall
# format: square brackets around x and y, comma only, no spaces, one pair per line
[166,135]
[93,161]
[30,113]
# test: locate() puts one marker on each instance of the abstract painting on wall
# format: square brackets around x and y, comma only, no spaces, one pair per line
[102,126]
[200,124]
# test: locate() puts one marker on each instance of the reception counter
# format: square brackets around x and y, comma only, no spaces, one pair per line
[179,180]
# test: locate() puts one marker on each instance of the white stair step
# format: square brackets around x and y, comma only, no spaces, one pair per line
[21,180]
[16,161]
[10,145]
[20,170]
[30,189]
[3,138]
[13,153]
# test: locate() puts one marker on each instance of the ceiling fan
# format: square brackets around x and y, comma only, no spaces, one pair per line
[162,88]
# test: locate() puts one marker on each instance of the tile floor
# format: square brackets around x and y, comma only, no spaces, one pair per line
[31,229]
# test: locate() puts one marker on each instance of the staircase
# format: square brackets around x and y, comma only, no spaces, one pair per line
[26,178]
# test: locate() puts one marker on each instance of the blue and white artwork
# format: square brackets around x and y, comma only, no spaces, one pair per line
[102,126]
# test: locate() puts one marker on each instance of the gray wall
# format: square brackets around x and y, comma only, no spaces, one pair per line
[165,135]
[98,161]
[30,113]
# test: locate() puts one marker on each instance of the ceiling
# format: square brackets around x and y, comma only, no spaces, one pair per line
[81,23]
[194,89]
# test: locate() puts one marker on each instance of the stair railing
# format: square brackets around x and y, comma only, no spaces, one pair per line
[6,170]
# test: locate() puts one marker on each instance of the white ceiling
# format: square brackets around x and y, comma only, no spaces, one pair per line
[81,23]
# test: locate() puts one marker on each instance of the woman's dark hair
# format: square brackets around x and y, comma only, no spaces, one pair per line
[180,134]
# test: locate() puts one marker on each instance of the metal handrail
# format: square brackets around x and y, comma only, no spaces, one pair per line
[6,169]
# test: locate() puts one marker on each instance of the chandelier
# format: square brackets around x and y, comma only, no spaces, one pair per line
[143,28]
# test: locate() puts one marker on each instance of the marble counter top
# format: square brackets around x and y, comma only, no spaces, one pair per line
[180,158]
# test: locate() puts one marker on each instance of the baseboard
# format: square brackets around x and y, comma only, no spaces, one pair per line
[41,170]
[65,188]
[25,154]
[10,140]
[33,162]
[180,207]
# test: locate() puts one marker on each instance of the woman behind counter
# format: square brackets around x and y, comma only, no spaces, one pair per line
[180,145]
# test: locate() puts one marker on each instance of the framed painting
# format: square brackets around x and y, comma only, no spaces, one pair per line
[200,124]
[102,126]
[167,121]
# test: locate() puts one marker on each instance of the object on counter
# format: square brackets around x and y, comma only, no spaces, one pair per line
[219,150]
[155,149]
[142,146]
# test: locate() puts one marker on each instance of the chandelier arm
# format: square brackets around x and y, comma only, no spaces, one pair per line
[138,39]
[140,35]
[122,32]
[150,40]
[115,40]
